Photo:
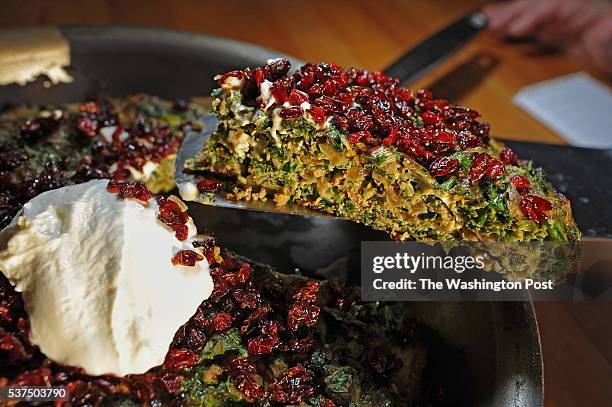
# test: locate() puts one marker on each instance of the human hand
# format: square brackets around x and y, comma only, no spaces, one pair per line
[581,28]
[595,46]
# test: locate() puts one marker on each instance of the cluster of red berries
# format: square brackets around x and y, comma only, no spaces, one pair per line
[170,214]
[370,106]
[140,145]
[208,185]
[533,207]
[375,110]
[238,301]
[130,190]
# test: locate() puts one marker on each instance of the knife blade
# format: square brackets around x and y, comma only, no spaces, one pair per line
[429,53]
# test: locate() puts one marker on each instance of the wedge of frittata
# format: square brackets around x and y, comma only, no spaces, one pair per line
[358,145]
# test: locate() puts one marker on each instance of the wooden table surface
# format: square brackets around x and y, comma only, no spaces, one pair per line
[576,337]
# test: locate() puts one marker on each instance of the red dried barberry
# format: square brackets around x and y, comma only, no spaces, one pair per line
[360,136]
[303,312]
[521,183]
[116,137]
[88,126]
[209,253]
[11,349]
[430,118]
[209,185]
[50,123]
[297,97]
[186,258]
[495,168]
[276,69]
[134,190]
[444,137]
[279,93]
[265,342]
[160,199]
[302,315]
[38,377]
[484,164]
[291,112]
[180,359]
[443,166]
[317,114]
[260,345]
[144,387]
[250,389]
[424,94]
[172,215]
[304,345]
[5,314]
[246,298]
[113,186]
[244,274]
[182,232]
[240,366]
[258,76]
[308,292]
[373,109]
[89,107]
[235,74]
[391,137]
[478,167]
[507,156]
[535,207]
[130,190]
[293,387]
[222,321]
[415,149]
[246,379]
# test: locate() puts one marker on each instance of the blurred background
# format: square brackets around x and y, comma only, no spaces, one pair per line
[528,42]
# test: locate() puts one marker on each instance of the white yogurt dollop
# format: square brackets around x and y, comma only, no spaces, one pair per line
[97,279]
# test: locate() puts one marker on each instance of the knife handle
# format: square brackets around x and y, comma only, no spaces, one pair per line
[423,57]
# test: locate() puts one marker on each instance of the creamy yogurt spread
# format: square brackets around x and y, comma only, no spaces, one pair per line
[97,280]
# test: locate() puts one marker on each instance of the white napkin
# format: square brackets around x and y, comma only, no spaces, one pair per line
[577,107]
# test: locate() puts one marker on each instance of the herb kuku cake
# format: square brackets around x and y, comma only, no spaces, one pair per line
[356,144]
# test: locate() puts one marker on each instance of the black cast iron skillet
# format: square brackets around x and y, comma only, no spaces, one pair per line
[496,359]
